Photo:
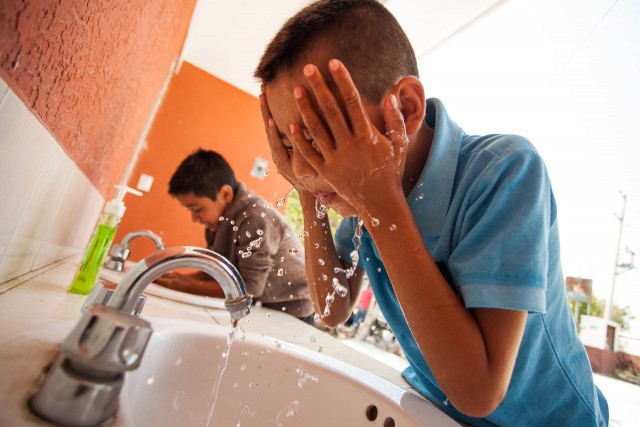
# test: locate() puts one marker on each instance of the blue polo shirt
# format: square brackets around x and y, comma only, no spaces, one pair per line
[486,212]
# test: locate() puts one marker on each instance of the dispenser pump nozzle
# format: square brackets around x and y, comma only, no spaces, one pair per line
[116,205]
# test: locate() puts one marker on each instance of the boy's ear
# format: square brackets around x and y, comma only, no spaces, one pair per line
[410,95]
[226,192]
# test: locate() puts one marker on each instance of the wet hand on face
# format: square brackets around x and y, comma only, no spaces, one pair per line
[349,154]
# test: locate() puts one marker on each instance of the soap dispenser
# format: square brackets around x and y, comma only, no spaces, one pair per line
[100,243]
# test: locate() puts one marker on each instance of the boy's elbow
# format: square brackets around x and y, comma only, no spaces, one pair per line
[480,405]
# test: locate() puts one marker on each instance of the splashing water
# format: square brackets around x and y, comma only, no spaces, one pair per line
[357,242]
[321,210]
[305,376]
[281,201]
[337,287]
[287,412]
[224,360]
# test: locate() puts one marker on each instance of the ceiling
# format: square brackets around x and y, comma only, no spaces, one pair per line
[228,37]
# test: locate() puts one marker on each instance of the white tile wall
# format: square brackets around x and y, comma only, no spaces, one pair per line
[3,89]
[48,207]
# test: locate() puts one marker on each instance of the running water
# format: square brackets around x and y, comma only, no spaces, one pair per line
[224,361]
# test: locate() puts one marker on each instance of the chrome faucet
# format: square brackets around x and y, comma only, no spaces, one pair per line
[120,253]
[84,383]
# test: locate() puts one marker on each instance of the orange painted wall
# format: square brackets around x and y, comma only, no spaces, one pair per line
[91,71]
[198,110]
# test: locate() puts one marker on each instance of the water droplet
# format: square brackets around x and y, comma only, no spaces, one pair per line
[283,199]
[321,261]
[280,272]
[293,251]
[321,210]
[246,254]
[255,243]
[232,222]
[340,290]
[375,222]
[282,259]
[263,214]
[392,227]
[259,232]
[221,219]
[248,234]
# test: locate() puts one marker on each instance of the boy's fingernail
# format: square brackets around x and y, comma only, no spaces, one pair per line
[394,101]
[297,92]
[308,70]
[292,128]
[334,64]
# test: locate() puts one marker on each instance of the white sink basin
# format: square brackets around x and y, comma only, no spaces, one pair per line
[265,383]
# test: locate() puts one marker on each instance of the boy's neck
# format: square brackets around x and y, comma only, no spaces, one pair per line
[417,154]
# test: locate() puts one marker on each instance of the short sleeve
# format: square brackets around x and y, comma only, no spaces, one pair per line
[501,258]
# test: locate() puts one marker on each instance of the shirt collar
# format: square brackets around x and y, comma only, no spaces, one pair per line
[431,196]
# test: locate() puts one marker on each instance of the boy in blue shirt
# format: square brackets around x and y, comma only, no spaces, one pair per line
[457,234]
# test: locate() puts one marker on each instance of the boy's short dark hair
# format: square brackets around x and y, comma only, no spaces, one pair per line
[202,173]
[363,34]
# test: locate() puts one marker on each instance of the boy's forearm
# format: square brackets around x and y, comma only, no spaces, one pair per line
[197,283]
[449,336]
[321,260]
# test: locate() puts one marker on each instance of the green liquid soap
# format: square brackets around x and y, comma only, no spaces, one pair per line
[92,261]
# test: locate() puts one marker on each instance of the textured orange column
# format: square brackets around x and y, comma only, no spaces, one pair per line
[198,110]
[91,71]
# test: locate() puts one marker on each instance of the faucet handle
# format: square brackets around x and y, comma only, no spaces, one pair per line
[107,341]
[101,294]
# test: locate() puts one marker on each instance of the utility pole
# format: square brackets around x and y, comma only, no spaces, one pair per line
[618,267]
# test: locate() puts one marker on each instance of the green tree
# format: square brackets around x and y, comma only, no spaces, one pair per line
[293,214]
[620,315]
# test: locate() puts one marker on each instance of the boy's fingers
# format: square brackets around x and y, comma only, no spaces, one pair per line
[394,125]
[312,121]
[350,96]
[327,103]
[300,143]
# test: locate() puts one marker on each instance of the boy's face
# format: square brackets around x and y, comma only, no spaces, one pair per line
[283,108]
[204,210]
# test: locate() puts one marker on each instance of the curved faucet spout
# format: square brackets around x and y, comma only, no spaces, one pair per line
[83,385]
[237,302]
[120,253]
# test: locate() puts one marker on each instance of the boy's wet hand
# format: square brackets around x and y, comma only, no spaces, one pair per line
[347,150]
[278,149]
